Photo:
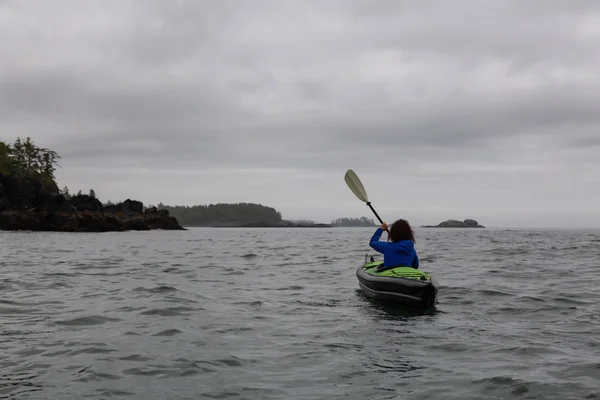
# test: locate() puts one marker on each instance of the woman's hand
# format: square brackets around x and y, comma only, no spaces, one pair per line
[384,226]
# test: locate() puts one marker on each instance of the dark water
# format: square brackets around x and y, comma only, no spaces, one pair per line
[276,314]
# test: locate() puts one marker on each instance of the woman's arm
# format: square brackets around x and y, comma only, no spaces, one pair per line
[415,263]
[375,243]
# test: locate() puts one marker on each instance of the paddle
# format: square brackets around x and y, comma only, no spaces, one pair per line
[359,190]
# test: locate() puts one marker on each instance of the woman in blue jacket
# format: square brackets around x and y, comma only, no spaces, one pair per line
[399,250]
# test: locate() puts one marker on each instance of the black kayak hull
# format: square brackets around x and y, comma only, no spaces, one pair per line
[405,291]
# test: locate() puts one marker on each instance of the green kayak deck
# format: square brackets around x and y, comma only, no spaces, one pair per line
[399,272]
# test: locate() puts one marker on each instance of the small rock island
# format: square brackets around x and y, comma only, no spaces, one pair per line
[30,199]
[453,223]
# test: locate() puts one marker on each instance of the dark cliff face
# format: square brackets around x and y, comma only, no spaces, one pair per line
[27,204]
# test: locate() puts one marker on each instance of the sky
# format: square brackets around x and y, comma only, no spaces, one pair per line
[446,110]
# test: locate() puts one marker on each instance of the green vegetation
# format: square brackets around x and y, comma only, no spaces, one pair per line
[353,222]
[237,214]
[67,194]
[24,158]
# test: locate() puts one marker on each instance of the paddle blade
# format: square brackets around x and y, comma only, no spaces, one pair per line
[356,185]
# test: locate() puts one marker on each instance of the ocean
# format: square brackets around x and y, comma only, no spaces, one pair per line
[276,313]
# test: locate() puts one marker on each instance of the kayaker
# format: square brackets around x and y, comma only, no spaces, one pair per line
[399,250]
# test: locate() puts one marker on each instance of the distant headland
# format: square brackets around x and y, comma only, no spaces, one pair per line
[249,215]
[453,223]
[30,199]
[354,222]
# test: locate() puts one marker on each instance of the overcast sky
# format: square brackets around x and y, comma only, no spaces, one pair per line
[445,109]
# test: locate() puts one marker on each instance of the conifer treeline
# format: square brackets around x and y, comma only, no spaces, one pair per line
[223,214]
[240,214]
[26,159]
[354,222]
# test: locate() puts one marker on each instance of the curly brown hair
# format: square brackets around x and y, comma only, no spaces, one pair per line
[401,230]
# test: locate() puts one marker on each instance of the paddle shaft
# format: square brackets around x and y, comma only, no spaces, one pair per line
[375,212]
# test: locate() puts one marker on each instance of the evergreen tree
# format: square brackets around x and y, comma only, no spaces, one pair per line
[65,193]
[5,164]
[24,158]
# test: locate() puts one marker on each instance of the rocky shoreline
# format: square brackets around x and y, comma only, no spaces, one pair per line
[25,204]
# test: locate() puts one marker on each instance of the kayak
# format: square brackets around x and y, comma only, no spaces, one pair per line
[402,285]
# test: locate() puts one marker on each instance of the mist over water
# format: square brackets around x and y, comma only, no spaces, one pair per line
[276,313]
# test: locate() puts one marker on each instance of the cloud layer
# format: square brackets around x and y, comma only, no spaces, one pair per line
[454,109]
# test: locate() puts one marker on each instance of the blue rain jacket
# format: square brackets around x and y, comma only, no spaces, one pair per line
[395,254]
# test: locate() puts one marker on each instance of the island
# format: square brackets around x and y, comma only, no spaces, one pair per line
[234,215]
[354,222]
[453,223]
[30,199]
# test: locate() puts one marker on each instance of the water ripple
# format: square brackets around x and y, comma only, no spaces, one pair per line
[277,313]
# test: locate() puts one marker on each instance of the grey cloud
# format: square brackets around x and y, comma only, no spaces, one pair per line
[432,90]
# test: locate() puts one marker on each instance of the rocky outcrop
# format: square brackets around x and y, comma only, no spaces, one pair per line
[453,223]
[26,204]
